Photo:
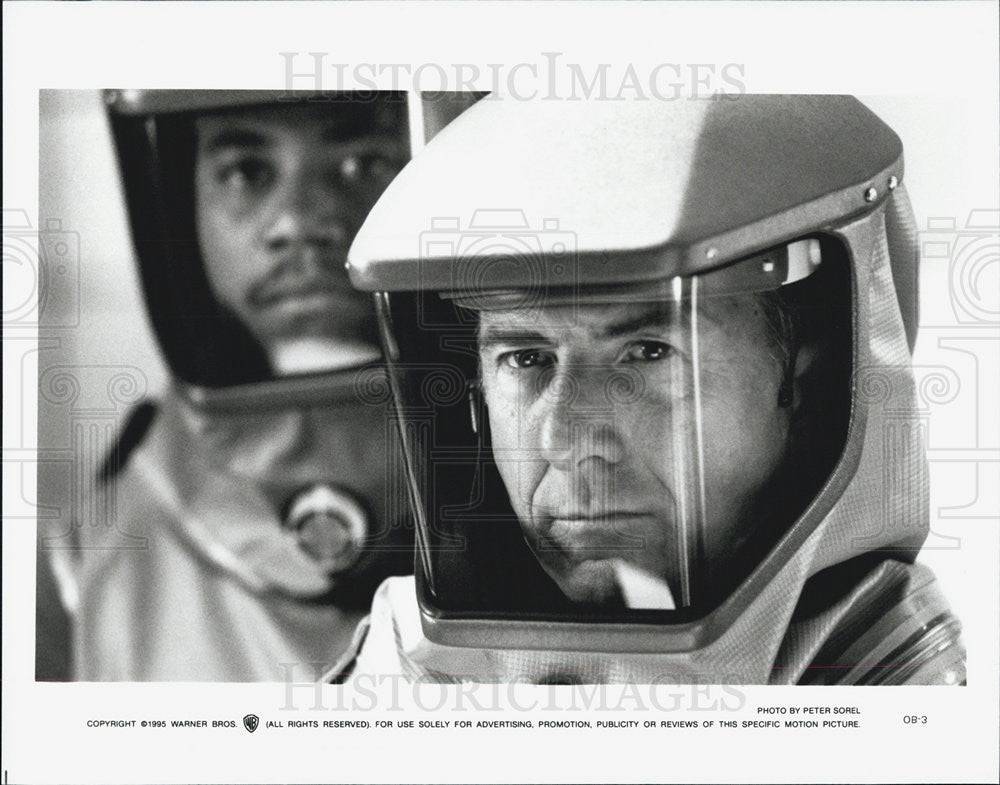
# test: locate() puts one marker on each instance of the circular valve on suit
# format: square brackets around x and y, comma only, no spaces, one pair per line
[329,524]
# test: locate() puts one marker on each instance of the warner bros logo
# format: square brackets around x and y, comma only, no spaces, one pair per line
[250,722]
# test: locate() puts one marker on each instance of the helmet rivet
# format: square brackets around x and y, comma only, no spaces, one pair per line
[711,253]
[871,195]
[893,182]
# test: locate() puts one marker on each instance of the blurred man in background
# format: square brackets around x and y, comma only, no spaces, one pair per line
[262,487]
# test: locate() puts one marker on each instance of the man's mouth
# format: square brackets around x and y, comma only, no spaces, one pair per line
[583,518]
[582,535]
[316,288]
[303,275]
[579,542]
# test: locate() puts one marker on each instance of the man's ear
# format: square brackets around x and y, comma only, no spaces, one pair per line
[802,374]
[477,404]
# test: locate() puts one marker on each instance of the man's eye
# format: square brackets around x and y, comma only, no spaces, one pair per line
[370,167]
[245,173]
[647,351]
[526,358]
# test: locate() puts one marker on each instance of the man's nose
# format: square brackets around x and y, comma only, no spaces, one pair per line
[306,210]
[577,421]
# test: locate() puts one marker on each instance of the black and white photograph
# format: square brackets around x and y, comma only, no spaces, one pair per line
[375,402]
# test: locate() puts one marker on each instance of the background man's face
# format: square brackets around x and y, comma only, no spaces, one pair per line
[280,193]
[591,475]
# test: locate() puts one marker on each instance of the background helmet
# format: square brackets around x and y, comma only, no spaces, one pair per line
[205,344]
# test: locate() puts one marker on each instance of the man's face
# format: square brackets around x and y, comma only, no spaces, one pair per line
[280,193]
[595,472]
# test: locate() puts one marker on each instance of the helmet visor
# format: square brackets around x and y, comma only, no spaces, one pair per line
[603,449]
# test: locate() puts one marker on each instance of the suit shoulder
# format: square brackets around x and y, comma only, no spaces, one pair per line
[895,627]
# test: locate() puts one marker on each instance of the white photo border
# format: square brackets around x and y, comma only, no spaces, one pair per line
[899,57]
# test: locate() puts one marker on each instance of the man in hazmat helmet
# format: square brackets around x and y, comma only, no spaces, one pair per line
[658,410]
[262,489]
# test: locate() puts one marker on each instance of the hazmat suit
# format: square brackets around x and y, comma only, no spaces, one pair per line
[651,362]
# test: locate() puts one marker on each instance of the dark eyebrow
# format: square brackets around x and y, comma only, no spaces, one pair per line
[366,143]
[654,316]
[233,137]
[339,132]
[494,335]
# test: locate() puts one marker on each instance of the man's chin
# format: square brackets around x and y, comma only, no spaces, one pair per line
[590,582]
[339,321]
[322,312]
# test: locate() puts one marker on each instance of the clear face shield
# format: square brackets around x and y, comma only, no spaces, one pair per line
[614,453]
[592,410]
